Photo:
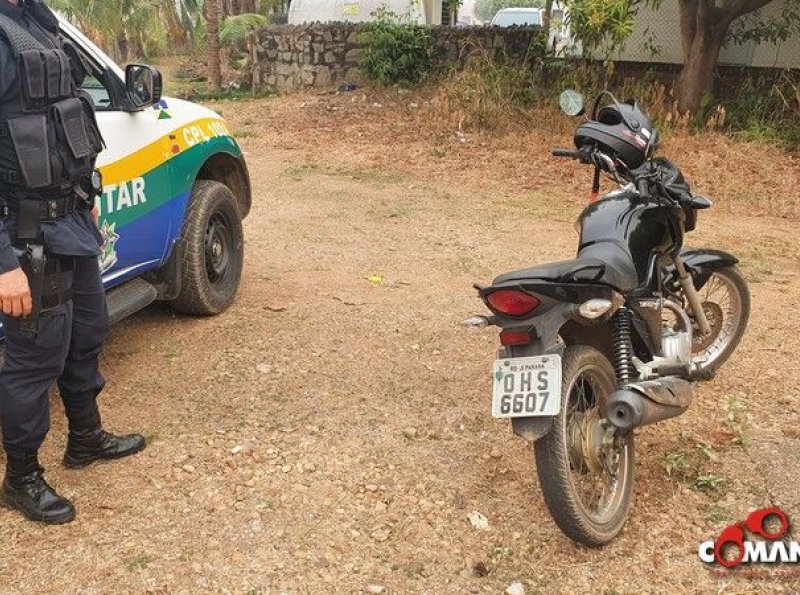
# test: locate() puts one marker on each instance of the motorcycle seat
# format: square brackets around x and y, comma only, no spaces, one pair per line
[605,263]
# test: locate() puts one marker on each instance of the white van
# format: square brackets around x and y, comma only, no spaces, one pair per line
[518,17]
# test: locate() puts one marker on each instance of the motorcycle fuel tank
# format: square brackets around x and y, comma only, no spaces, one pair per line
[627,223]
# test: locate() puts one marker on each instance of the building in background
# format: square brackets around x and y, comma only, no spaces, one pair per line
[427,12]
[656,37]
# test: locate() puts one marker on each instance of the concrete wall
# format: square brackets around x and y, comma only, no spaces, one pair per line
[288,57]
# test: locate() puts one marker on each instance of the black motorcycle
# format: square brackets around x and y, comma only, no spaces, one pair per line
[595,347]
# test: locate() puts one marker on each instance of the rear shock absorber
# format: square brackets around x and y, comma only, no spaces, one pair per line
[623,347]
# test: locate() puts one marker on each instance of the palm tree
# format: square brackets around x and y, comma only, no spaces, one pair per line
[213,11]
[131,27]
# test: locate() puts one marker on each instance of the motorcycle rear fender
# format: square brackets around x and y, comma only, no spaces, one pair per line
[533,428]
[701,264]
[559,301]
[547,327]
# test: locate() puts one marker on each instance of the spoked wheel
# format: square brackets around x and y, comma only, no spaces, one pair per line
[585,467]
[726,302]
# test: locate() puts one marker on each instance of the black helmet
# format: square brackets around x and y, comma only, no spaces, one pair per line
[621,130]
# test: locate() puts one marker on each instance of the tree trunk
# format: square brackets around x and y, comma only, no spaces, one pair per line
[704,25]
[697,76]
[212,43]
[122,48]
[547,24]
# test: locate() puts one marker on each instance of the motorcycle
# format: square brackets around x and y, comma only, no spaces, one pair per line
[597,346]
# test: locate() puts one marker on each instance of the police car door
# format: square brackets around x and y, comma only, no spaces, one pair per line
[134,205]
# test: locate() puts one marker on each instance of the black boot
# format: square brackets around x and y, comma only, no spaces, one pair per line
[88,442]
[25,489]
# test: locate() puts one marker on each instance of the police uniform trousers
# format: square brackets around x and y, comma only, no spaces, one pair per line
[62,345]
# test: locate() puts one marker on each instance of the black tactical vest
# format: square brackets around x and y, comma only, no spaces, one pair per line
[49,139]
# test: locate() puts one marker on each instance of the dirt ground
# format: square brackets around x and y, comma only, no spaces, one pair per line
[331,431]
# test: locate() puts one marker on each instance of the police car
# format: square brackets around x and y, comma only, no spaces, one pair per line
[175,191]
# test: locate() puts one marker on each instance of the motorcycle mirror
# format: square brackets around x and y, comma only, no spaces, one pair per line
[571,102]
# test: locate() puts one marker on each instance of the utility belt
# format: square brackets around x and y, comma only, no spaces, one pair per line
[29,211]
[41,210]
[49,276]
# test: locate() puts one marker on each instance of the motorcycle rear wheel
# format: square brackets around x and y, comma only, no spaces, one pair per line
[585,470]
[726,302]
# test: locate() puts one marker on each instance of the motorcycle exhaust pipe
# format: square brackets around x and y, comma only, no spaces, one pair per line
[642,403]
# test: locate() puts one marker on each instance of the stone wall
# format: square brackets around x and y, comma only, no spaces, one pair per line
[453,45]
[287,57]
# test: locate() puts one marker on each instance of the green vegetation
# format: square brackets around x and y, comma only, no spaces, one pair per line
[737,419]
[234,32]
[601,24]
[717,513]
[135,28]
[606,24]
[394,51]
[765,108]
[234,29]
[300,171]
[689,466]
[131,30]
[140,562]
[492,92]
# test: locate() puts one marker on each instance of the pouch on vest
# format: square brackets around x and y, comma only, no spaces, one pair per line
[59,74]
[76,137]
[45,76]
[93,130]
[33,78]
[69,117]
[31,144]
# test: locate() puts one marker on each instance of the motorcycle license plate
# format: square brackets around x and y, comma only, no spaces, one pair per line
[527,386]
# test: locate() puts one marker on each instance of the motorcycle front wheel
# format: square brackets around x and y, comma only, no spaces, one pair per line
[726,301]
[585,468]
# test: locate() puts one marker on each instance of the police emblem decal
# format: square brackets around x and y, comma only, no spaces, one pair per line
[108,251]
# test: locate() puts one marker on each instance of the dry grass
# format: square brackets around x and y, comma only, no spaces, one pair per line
[330,431]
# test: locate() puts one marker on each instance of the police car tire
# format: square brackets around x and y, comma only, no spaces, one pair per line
[210,201]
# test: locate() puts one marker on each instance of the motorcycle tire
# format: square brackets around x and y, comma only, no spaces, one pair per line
[726,301]
[586,473]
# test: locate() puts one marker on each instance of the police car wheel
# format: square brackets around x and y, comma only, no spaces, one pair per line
[211,249]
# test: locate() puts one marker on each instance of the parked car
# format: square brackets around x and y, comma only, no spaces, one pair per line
[559,40]
[518,17]
[175,191]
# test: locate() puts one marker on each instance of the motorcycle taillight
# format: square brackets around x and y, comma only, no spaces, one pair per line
[515,337]
[513,302]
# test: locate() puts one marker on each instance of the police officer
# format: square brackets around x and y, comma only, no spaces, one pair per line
[51,294]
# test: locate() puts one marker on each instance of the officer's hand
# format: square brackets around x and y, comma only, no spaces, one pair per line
[15,293]
[96,213]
